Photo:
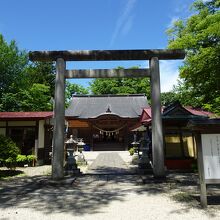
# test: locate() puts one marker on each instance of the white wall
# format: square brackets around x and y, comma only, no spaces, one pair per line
[41,134]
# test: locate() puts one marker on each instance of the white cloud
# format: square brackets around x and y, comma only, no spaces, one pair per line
[169,73]
[124,22]
[127,26]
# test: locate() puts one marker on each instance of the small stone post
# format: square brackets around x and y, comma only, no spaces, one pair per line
[59,121]
[157,131]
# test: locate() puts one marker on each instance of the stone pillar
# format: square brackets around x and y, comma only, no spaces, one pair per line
[59,123]
[157,131]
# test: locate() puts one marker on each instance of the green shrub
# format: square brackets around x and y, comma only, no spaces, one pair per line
[31,159]
[21,160]
[131,151]
[135,160]
[8,152]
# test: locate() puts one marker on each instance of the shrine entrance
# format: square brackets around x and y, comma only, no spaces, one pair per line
[108,133]
[107,55]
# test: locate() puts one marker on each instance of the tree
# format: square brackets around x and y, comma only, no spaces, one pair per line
[71,89]
[37,98]
[121,86]
[12,64]
[168,97]
[40,73]
[24,86]
[199,35]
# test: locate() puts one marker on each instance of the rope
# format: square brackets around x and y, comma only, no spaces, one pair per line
[116,130]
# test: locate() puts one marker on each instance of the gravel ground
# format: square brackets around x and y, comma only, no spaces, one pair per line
[119,197]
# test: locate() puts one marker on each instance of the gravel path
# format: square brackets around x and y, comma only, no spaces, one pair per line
[108,163]
[94,197]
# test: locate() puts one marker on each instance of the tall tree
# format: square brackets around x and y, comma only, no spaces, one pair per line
[199,35]
[12,64]
[71,89]
[40,73]
[23,83]
[121,86]
[34,98]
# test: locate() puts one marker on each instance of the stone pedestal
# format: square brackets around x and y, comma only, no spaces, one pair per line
[71,166]
[144,161]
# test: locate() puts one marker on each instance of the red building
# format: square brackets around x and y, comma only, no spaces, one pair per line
[179,141]
[31,131]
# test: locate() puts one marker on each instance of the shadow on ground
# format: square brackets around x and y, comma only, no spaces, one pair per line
[9,173]
[88,194]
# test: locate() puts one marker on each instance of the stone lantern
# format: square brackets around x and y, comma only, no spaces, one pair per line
[71,166]
[80,145]
[144,162]
[135,144]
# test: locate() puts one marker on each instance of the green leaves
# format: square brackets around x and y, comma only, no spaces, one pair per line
[199,35]
[37,98]
[8,151]
[24,86]
[12,63]
[120,86]
[71,89]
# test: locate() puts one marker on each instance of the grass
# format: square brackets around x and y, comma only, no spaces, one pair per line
[183,197]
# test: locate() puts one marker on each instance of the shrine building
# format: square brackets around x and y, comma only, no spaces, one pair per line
[104,121]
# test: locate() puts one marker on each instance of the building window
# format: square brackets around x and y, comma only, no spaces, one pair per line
[173,146]
[179,145]
[188,145]
[24,138]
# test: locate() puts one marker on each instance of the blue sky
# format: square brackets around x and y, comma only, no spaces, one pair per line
[94,24]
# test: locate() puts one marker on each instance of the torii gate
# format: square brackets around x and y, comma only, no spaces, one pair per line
[107,55]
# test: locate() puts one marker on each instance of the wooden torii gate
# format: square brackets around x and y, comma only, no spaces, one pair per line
[107,55]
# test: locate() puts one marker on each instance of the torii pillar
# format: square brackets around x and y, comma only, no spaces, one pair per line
[59,121]
[157,130]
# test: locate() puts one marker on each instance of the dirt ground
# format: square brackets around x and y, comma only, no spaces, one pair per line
[32,195]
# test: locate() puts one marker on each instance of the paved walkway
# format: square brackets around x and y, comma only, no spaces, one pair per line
[109,163]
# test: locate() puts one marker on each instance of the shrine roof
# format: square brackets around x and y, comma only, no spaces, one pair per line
[124,106]
[25,115]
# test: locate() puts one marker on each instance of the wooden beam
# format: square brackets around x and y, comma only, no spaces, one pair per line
[200,164]
[107,73]
[101,55]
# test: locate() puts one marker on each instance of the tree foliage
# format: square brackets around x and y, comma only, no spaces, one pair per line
[121,86]
[41,73]
[12,64]
[24,86]
[71,89]
[199,35]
